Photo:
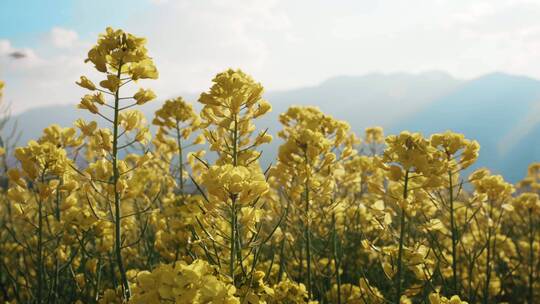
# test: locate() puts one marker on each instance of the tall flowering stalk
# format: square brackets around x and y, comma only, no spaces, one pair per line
[527,222]
[314,142]
[122,58]
[176,120]
[457,154]
[36,190]
[235,183]
[411,163]
[497,195]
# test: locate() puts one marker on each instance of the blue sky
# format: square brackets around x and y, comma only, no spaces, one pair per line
[23,22]
[284,44]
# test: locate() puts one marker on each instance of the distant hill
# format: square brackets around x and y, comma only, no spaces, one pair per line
[501,111]
[363,101]
[373,99]
[32,122]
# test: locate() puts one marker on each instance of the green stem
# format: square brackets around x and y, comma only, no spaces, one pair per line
[531,258]
[454,235]
[57,261]
[469,280]
[401,241]
[118,213]
[233,206]
[180,158]
[308,239]
[282,245]
[40,253]
[281,259]
[488,260]
[336,258]
[233,239]
[307,233]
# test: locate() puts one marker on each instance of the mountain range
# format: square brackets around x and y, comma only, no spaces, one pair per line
[499,110]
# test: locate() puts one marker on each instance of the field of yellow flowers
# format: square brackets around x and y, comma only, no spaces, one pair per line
[106,212]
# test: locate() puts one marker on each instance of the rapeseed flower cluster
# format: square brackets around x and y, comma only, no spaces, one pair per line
[114,210]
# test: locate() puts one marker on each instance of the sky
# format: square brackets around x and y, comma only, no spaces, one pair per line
[282,43]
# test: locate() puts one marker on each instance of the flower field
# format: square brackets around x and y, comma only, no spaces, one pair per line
[106,211]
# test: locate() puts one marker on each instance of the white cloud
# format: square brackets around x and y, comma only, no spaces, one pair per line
[40,77]
[189,40]
[193,40]
[25,57]
[287,44]
[159,1]
[5,47]
[63,38]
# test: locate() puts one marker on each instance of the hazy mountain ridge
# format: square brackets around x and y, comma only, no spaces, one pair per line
[488,109]
[375,94]
[497,109]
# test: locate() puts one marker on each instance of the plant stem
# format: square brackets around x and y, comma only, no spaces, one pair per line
[235,141]
[454,235]
[307,233]
[281,259]
[233,239]
[233,202]
[336,258]
[401,240]
[531,258]
[57,261]
[282,245]
[118,213]
[180,158]
[40,253]
[485,300]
